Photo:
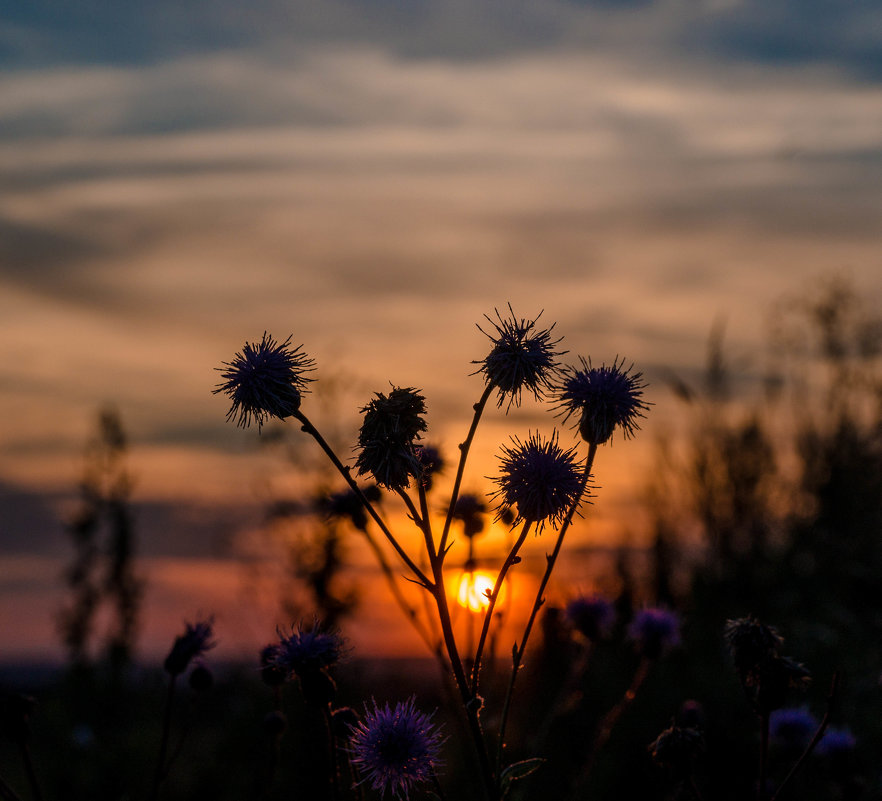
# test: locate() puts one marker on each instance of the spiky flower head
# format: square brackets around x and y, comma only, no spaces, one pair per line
[752,645]
[266,379]
[387,440]
[194,642]
[592,616]
[307,650]
[395,749]
[677,748]
[431,464]
[540,478]
[522,358]
[654,631]
[602,399]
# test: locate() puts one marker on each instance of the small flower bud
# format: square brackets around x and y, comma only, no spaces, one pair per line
[201,679]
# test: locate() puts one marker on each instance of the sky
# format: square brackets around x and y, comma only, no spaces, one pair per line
[373,177]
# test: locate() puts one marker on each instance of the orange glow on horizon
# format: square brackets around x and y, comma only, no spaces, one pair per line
[474,588]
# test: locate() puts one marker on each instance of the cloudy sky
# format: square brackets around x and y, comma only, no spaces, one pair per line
[372,177]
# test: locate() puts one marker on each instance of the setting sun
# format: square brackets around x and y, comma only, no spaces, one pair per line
[474,589]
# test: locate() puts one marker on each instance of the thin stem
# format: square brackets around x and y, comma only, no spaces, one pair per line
[7,793]
[831,698]
[344,471]
[159,774]
[427,520]
[494,595]
[460,470]
[763,757]
[518,651]
[409,611]
[31,772]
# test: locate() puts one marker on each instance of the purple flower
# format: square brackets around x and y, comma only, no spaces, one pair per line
[395,749]
[522,358]
[540,478]
[591,615]
[265,380]
[194,642]
[603,399]
[654,631]
[792,727]
[306,651]
[836,741]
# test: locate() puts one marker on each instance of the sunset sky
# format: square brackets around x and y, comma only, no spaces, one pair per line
[372,177]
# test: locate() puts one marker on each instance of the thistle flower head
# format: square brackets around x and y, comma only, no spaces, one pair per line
[752,645]
[792,727]
[836,741]
[308,650]
[540,478]
[602,399]
[194,642]
[654,631]
[591,615]
[387,440]
[677,748]
[265,380]
[431,464]
[395,749]
[522,358]
[469,509]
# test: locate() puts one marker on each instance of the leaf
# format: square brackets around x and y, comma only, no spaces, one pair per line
[518,770]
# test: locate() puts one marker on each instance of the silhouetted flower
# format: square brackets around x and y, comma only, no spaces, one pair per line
[431,464]
[836,741]
[469,509]
[540,478]
[654,631]
[270,673]
[387,439]
[793,727]
[603,399]
[265,380]
[395,749]
[522,358]
[195,641]
[307,650]
[677,748]
[591,615]
[751,644]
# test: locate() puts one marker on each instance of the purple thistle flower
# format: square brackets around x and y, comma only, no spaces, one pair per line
[522,358]
[265,380]
[836,741]
[395,749]
[591,615]
[194,642]
[654,631]
[309,650]
[792,727]
[604,398]
[540,478]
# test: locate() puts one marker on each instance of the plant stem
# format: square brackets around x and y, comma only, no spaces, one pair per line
[763,757]
[31,772]
[7,793]
[159,774]
[518,651]
[494,595]
[460,470]
[344,471]
[831,698]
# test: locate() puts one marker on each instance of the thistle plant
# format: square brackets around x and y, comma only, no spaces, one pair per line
[541,486]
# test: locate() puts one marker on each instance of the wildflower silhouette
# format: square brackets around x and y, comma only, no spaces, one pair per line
[265,380]
[387,439]
[603,399]
[194,642]
[396,749]
[522,358]
[540,478]
[654,631]
[591,615]
[306,650]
